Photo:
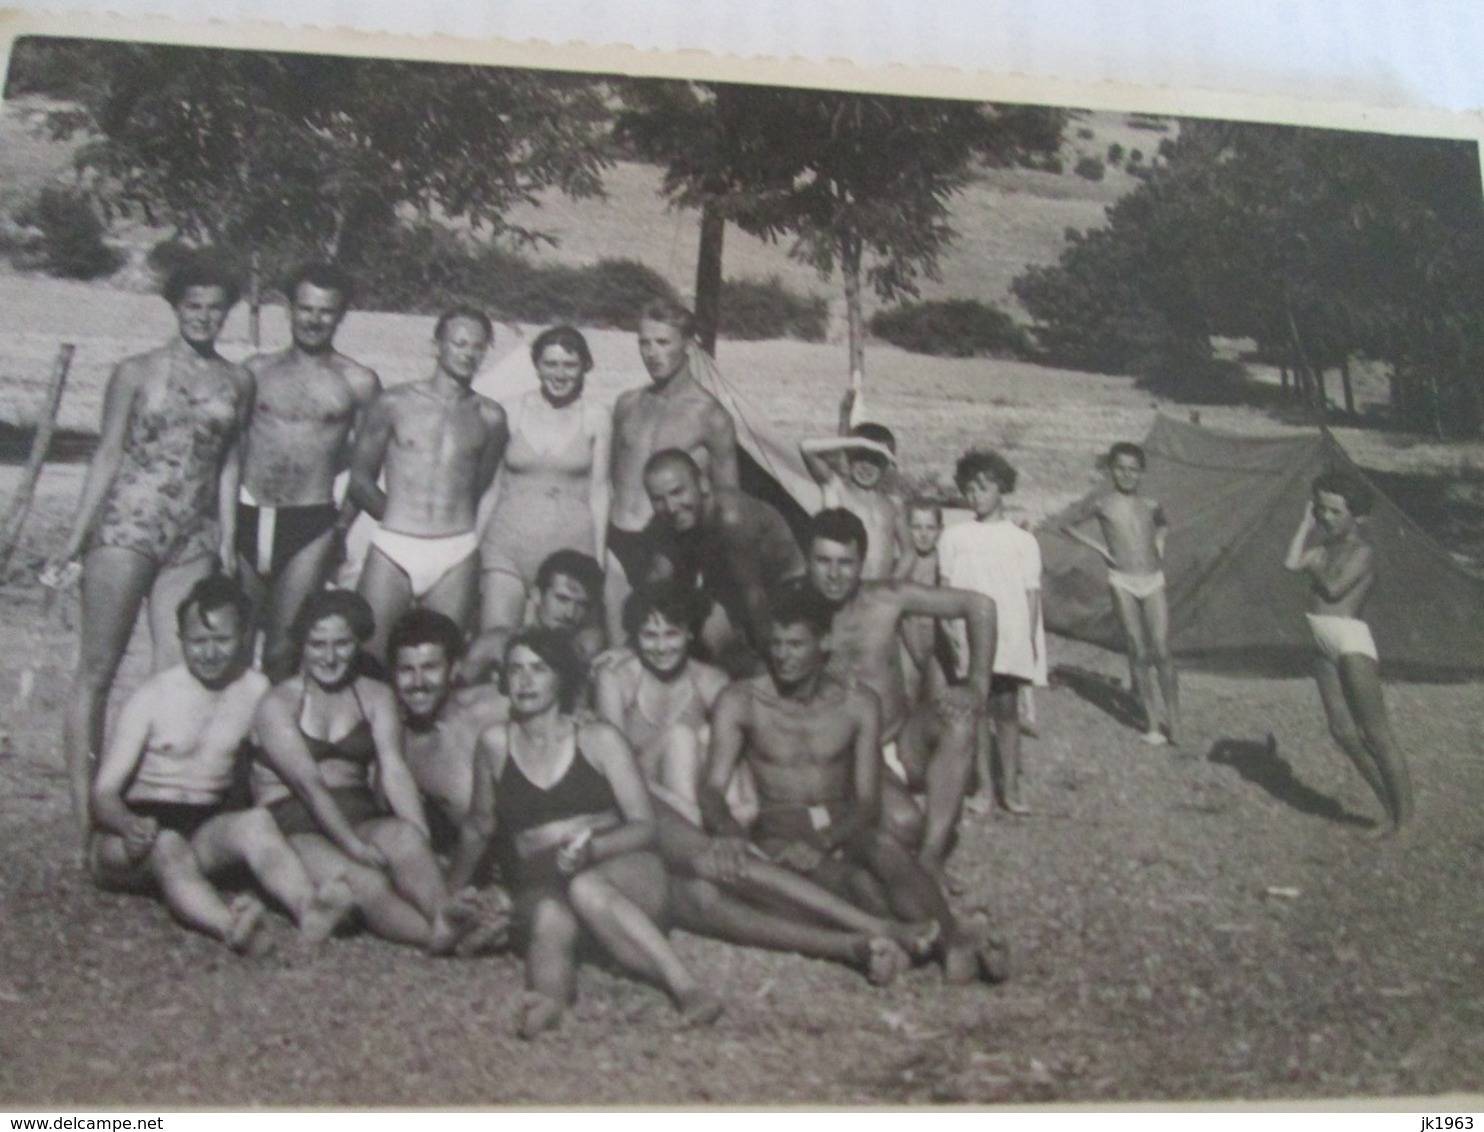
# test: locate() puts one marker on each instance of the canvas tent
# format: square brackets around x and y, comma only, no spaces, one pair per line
[1233,503]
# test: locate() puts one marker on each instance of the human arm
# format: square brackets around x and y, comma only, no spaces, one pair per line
[476,827]
[865,807]
[600,487]
[397,784]
[368,455]
[1298,557]
[1161,531]
[118,404]
[720,438]
[365,387]
[724,752]
[230,480]
[609,688]
[823,457]
[287,755]
[1078,514]
[121,756]
[976,610]
[493,453]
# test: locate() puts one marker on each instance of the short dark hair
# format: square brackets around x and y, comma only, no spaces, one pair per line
[201,270]
[557,649]
[797,603]
[984,462]
[671,313]
[877,434]
[323,604]
[1358,495]
[325,276]
[836,524]
[421,626]
[685,606]
[569,338]
[213,592]
[672,457]
[1127,448]
[581,568]
[919,503]
[464,310]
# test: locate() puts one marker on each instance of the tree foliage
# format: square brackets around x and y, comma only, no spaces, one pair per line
[1321,245]
[259,151]
[858,182]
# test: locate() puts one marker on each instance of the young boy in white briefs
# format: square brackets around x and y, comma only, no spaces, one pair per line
[1134,529]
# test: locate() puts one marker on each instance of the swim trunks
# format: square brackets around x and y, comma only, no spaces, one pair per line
[357,803]
[1341,636]
[184,818]
[634,551]
[270,537]
[425,559]
[778,826]
[1139,586]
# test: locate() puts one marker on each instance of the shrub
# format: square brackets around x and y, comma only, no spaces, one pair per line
[1115,154]
[73,235]
[954,328]
[764,308]
[1090,168]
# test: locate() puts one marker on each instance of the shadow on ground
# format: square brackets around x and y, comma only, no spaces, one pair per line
[1260,764]
[1103,692]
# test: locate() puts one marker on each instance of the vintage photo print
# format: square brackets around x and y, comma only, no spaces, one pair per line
[562,577]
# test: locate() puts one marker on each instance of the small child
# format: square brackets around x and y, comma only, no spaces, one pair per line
[920,565]
[850,469]
[995,557]
[1134,530]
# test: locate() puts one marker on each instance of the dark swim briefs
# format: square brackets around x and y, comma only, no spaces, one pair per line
[357,803]
[778,826]
[634,551]
[184,818]
[269,537]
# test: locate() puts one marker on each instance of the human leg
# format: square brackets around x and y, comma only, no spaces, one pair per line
[944,747]
[114,584]
[251,837]
[1004,706]
[387,915]
[1360,679]
[1140,661]
[551,965]
[1156,620]
[618,900]
[1343,728]
[303,573]
[502,600]
[418,878]
[386,588]
[193,900]
[616,590]
[456,593]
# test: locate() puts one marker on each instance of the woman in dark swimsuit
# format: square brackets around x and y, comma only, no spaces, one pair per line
[575,830]
[327,793]
[147,520]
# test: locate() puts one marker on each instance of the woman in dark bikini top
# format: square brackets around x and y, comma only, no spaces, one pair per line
[329,745]
[575,828]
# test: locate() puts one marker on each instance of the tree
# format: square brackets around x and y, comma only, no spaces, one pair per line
[278,155]
[859,182]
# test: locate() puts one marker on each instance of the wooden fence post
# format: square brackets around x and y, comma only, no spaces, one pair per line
[20,506]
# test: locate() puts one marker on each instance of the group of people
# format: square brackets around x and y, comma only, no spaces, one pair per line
[581,685]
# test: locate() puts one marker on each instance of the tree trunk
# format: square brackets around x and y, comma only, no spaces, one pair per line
[1303,365]
[20,504]
[1348,388]
[708,277]
[255,298]
[850,269]
[1283,380]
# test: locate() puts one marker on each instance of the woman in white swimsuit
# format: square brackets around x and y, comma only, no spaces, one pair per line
[552,491]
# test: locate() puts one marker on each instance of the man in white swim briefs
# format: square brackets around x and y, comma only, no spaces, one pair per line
[1134,529]
[438,443]
[1340,566]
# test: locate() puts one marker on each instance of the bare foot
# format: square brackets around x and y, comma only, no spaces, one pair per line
[978,804]
[699,1008]
[331,903]
[885,960]
[536,1015]
[1017,807]
[492,932]
[917,940]
[245,932]
[960,963]
[454,921]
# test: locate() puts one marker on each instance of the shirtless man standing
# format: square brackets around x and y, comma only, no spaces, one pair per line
[812,742]
[1341,569]
[439,444]
[309,400]
[157,803]
[734,547]
[673,411]
[930,745]
[1134,530]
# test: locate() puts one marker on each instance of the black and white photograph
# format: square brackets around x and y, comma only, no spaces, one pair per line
[541,586]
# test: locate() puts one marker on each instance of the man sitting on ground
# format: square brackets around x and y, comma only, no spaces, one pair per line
[812,742]
[158,800]
[569,593]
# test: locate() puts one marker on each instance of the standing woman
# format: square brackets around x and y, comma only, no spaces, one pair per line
[1340,567]
[575,830]
[158,507]
[552,491]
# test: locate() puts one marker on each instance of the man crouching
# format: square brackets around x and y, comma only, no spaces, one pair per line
[812,743]
[158,810]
